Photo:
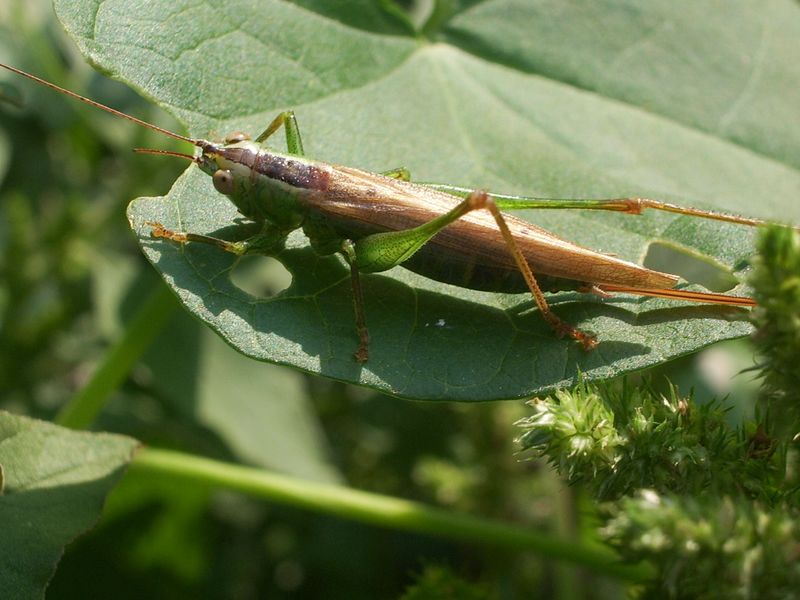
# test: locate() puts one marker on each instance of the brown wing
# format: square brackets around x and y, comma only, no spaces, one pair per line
[360,203]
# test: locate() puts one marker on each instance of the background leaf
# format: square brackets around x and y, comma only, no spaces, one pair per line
[55,483]
[679,101]
[262,413]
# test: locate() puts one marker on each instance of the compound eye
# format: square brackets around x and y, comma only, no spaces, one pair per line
[223,182]
[236,136]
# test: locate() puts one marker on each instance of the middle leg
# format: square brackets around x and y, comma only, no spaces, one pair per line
[381,251]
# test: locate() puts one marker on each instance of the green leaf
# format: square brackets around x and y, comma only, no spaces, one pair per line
[262,412]
[56,481]
[677,101]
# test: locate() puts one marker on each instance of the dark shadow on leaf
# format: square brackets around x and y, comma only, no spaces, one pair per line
[700,311]
[650,311]
[39,523]
[421,339]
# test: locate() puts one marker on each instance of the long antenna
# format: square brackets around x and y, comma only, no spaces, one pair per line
[167,152]
[100,106]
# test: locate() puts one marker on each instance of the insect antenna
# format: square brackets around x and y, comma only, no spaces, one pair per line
[108,109]
[167,152]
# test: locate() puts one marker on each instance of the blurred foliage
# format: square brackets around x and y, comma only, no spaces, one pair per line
[441,583]
[68,174]
[709,546]
[776,278]
[702,500]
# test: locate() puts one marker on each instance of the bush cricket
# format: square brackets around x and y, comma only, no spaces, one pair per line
[378,221]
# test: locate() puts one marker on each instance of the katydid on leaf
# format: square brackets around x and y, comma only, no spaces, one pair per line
[378,221]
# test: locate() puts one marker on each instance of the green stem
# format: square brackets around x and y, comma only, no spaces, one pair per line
[380,510]
[82,409]
[567,580]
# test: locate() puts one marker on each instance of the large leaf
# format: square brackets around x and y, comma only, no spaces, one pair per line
[53,483]
[680,101]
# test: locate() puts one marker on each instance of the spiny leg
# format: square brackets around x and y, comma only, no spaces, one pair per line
[268,241]
[294,143]
[631,206]
[349,253]
[588,341]
[382,251]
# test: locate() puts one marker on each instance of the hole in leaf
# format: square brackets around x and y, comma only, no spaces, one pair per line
[691,265]
[260,276]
